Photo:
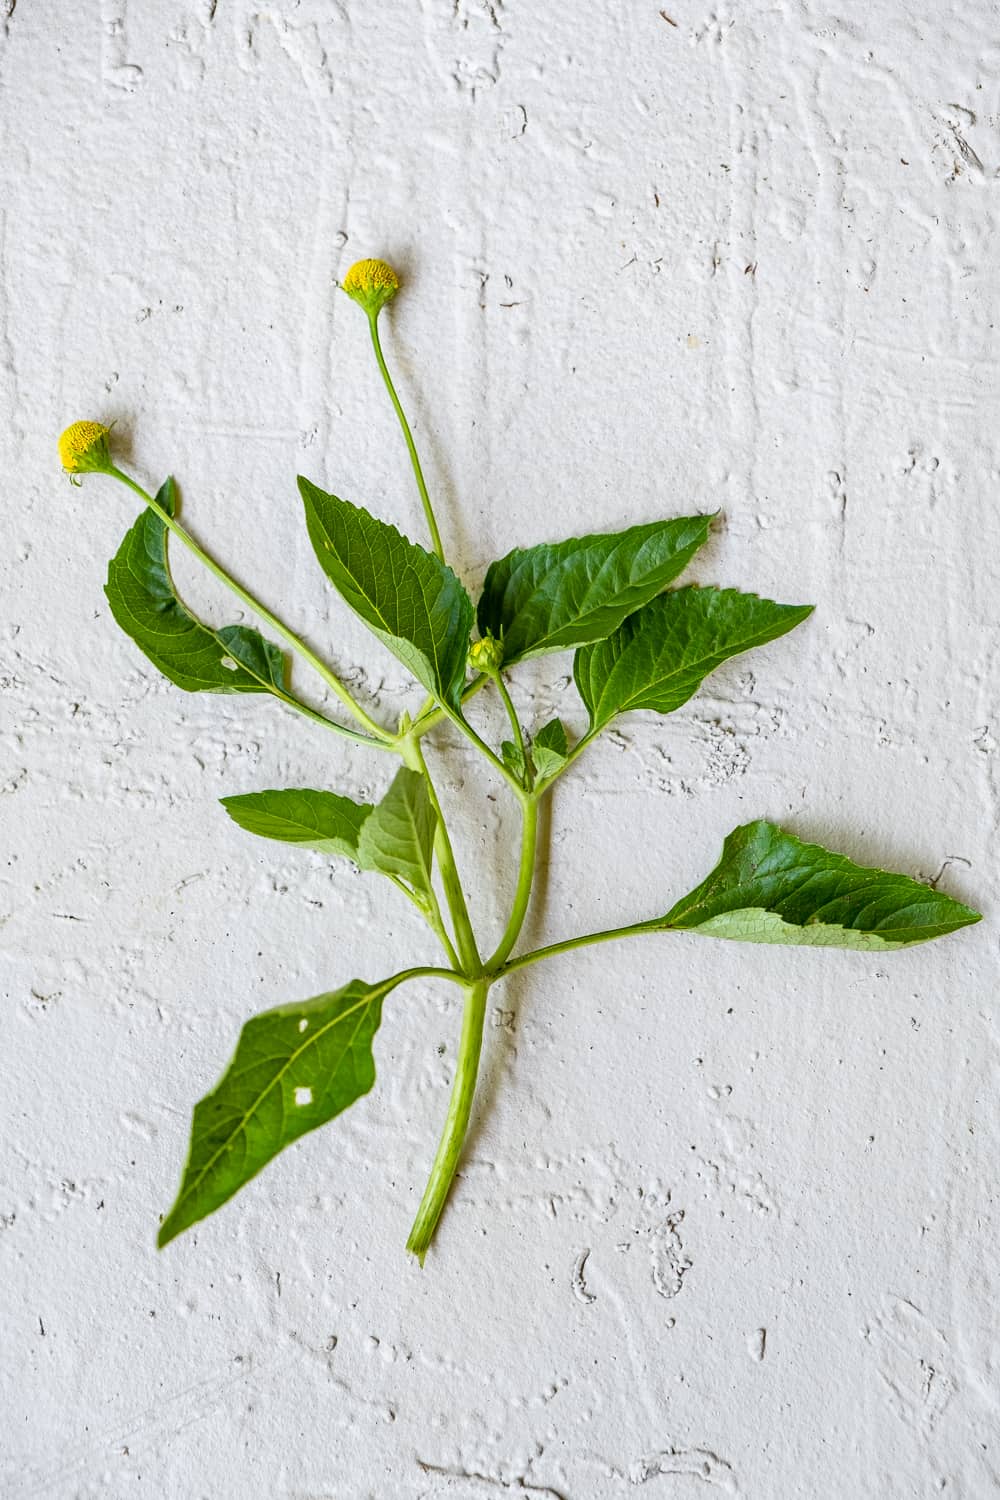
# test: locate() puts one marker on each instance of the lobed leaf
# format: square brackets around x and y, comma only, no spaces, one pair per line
[410,599]
[770,887]
[144,602]
[295,1068]
[299,815]
[662,654]
[398,838]
[550,597]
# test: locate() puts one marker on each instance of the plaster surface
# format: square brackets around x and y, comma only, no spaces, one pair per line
[727,1223]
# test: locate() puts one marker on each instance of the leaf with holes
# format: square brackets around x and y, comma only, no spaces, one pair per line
[407,596]
[299,815]
[663,653]
[143,600]
[294,1069]
[566,594]
[770,887]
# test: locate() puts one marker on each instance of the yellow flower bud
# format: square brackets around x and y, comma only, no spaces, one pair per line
[83,448]
[371,283]
[486,655]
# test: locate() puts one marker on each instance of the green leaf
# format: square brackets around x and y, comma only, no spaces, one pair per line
[140,591]
[549,749]
[512,758]
[294,1068]
[398,838]
[663,653]
[298,815]
[769,887]
[570,593]
[408,597]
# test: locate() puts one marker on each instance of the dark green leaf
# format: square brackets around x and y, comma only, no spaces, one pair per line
[398,838]
[298,815]
[144,602]
[663,653]
[769,887]
[294,1068]
[570,593]
[408,597]
[549,749]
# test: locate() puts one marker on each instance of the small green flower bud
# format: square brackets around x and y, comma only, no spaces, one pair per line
[486,655]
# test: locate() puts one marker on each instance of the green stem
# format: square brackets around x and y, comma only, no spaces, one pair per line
[431,913]
[573,755]
[422,972]
[332,681]
[456,1122]
[484,749]
[611,933]
[525,877]
[425,499]
[429,716]
[410,750]
[529,773]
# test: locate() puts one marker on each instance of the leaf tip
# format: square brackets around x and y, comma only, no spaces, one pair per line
[167,1231]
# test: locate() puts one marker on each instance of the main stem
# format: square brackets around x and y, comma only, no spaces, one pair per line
[418,473]
[278,626]
[457,1122]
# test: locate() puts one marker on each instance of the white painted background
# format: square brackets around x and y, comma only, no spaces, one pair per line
[743,261]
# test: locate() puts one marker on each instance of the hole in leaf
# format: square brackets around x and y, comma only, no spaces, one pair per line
[303,1096]
[229,664]
[303,1024]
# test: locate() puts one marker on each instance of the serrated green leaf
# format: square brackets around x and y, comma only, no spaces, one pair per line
[569,593]
[769,887]
[661,655]
[549,749]
[512,758]
[144,602]
[398,838]
[294,1068]
[407,596]
[299,815]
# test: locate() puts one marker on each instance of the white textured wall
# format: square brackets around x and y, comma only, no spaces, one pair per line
[743,258]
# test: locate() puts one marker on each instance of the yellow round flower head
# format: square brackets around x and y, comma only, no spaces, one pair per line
[371,284]
[486,655]
[83,448]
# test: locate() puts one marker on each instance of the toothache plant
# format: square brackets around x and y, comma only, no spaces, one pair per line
[640,646]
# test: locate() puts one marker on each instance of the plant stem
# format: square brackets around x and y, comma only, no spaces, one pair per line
[381,736]
[456,1122]
[515,723]
[431,913]
[568,944]
[413,756]
[573,755]
[484,749]
[429,715]
[422,972]
[408,435]
[525,877]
